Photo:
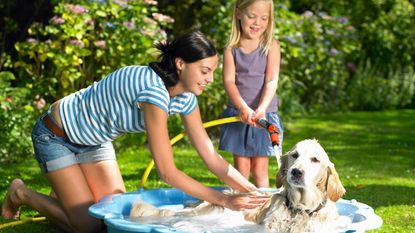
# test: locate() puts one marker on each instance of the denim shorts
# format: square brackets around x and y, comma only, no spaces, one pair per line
[53,152]
[245,140]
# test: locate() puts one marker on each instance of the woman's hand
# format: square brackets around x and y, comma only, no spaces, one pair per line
[245,201]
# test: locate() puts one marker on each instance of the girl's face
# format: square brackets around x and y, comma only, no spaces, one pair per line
[254,19]
[195,76]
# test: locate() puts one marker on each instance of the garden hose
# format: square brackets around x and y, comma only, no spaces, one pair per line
[271,129]
[24,221]
[179,137]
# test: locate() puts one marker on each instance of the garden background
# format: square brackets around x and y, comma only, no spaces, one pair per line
[338,57]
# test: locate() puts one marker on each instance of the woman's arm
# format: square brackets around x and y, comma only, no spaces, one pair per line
[215,163]
[271,79]
[229,77]
[156,125]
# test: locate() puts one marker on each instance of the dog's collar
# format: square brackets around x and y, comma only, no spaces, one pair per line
[307,211]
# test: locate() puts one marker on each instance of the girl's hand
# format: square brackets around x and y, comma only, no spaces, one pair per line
[245,201]
[246,115]
[258,114]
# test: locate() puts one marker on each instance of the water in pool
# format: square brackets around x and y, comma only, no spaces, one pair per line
[227,222]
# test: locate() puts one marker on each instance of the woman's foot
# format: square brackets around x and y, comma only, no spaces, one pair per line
[11,207]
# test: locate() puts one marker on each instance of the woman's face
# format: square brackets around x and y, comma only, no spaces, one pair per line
[254,19]
[195,76]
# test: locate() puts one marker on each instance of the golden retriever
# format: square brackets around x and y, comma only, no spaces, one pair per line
[306,203]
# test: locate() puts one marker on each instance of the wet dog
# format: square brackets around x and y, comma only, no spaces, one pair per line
[306,202]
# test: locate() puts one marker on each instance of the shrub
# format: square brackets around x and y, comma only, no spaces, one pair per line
[84,42]
[17,115]
[371,89]
[316,49]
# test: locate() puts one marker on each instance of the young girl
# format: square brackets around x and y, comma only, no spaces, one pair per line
[72,140]
[250,75]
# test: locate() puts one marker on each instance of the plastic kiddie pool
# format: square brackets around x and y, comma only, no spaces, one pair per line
[115,210]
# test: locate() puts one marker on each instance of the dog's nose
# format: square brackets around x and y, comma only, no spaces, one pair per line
[297,173]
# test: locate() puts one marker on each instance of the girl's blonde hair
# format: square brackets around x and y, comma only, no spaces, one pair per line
[236,30]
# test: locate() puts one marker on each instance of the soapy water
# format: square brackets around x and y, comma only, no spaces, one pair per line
[227,222]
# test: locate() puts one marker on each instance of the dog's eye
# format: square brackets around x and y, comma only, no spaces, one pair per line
[295,155]
[315,160]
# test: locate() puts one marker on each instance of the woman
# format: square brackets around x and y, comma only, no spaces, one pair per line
[72,141]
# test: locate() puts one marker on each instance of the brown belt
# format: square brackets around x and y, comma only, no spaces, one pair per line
[53,127]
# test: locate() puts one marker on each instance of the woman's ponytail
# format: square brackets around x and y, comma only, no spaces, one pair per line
[166,68]
[190,47]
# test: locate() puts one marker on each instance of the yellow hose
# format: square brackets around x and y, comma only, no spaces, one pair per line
[179,137]
[24,221]
[146,172]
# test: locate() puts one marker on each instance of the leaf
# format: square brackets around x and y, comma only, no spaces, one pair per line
[101,14]
[68,49]
[6,75]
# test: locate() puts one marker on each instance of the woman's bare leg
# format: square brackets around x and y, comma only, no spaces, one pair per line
[259,168]
[104,178]
[71,186]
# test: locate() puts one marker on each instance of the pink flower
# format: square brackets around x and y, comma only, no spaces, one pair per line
[308,14]
[163,18]
[100,44]
[128,24]
[149,21]
[162,32]
[77,9]
[147,33]
[90,22]
[77,43]
[40,104]
[150,2]
[57,20]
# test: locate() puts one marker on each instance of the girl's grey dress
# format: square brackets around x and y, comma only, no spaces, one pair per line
[240,138]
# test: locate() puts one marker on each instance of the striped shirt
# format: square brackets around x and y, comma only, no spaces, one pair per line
[108,108]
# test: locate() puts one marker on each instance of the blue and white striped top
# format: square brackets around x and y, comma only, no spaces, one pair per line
[108,108]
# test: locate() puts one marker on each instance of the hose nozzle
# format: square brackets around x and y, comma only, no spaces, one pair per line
[272,130]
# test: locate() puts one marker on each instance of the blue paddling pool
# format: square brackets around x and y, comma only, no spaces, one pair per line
[115,210]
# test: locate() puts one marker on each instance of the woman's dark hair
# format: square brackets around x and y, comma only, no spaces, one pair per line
[190,47]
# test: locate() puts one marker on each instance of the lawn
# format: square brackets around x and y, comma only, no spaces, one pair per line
[373,153]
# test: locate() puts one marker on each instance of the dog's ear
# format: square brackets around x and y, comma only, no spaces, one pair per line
[281,175]
[335,189]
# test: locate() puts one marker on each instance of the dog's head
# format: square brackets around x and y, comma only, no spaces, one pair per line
[307,167]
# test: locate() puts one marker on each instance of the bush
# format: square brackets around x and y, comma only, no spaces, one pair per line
[385,72]
[371,89]
[387,39]
[316,51]
[17,116]
[85,42]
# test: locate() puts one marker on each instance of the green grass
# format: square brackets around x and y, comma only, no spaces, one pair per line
[373,153]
